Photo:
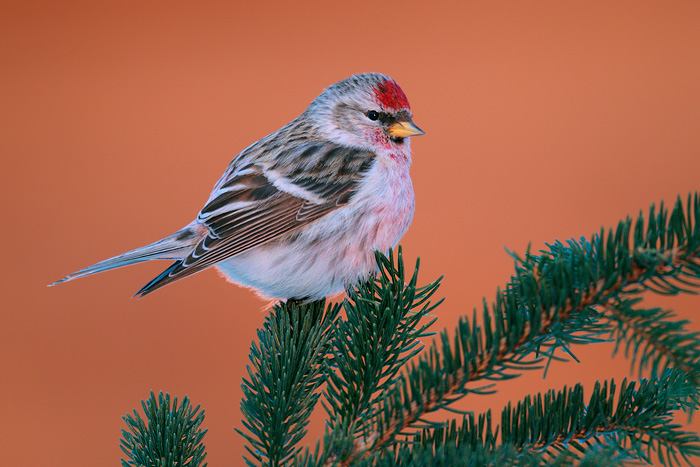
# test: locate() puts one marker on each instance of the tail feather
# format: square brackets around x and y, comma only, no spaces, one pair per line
[164,278]
[170,248]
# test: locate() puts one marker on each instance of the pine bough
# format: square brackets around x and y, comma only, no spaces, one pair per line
[377,381]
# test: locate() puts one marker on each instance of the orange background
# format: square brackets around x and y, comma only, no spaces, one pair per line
[544,121]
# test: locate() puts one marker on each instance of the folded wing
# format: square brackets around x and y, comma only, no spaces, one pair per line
[258,202]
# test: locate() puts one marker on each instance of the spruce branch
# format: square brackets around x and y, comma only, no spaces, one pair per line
[381,333]
[377,383]
[558,428]
[171,436]
[287,370]
[652,340]
[555,299]
[639,420]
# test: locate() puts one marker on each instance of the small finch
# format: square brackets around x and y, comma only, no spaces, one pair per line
[299,214]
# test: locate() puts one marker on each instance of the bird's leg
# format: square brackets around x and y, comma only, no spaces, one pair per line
[296,301]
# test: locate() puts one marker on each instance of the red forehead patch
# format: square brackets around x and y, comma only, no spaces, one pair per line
[391,96]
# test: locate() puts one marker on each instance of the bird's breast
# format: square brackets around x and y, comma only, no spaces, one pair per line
[386,203]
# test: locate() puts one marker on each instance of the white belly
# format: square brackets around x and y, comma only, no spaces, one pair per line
[326,256]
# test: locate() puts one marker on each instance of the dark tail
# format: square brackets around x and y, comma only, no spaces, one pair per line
[164,278]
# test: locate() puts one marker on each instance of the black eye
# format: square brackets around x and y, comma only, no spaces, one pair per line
[373,115]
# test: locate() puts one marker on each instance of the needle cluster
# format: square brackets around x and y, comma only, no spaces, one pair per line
[365,360]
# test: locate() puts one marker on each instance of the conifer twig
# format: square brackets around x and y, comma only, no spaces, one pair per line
[644,263]
[366,366]
[171,435]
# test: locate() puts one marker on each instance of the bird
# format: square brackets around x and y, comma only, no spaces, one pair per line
[299,214]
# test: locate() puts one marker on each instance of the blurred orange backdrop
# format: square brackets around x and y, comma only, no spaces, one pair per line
[544,120]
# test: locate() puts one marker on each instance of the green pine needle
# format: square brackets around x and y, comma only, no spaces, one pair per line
[285,373]
[171,436]
[378,381]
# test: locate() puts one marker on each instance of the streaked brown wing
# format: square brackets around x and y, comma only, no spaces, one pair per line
[254,207]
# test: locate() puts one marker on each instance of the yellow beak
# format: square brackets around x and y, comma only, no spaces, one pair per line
[404,129]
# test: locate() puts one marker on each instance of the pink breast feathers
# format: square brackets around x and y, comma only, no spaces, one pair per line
[390,96]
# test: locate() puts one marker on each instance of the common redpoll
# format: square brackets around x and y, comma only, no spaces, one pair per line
[299,214]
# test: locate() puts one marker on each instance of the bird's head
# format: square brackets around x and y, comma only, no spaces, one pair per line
[369,111]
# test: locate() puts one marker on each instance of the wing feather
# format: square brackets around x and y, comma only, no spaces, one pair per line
[257,203]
